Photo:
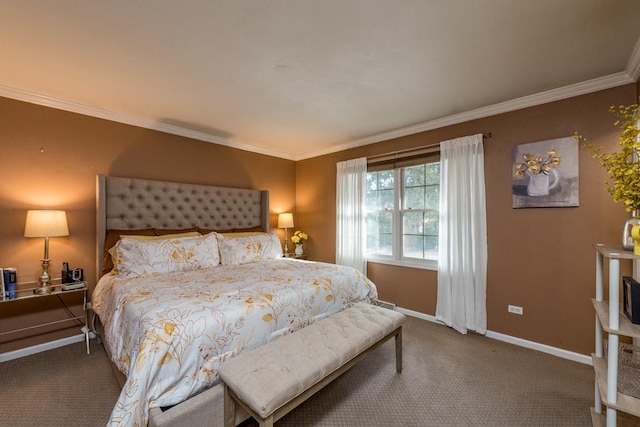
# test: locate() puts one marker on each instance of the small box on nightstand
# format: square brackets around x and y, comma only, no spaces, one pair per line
[631,299]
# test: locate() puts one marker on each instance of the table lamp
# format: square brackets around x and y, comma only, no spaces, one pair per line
[285,220]
[46,223]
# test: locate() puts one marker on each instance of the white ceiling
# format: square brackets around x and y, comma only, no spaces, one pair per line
[300,78]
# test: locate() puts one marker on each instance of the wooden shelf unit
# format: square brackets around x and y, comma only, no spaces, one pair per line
[610,319]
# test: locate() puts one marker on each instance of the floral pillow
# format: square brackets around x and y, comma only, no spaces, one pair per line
[246,249]
[114,255]
[138,258]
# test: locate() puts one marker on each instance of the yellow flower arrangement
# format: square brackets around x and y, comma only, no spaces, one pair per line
[623,166]
[299,237]
[538,164]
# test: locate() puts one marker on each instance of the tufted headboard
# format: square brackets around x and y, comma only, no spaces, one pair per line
[131,204]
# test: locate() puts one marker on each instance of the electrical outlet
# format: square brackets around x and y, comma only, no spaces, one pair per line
[515,309]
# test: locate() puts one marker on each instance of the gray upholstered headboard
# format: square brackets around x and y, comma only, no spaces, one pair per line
[131,204]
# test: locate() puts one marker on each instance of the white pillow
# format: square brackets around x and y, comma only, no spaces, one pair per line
[245,249]
[151,257]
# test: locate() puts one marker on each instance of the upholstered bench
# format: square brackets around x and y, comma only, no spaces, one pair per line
[273,379]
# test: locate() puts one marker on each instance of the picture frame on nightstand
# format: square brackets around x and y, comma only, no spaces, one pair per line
[631,299]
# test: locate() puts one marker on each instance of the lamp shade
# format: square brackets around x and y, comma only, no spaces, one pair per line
[285,220]
[46,223]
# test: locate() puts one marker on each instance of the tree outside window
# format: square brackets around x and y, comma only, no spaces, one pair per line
[403,213]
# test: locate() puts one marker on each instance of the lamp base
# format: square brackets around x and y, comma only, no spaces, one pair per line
[42,290]
[45,280]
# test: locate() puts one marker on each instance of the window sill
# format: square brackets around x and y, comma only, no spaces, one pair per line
[427,265]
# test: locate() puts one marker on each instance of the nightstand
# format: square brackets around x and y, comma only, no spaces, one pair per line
[292,255]
[23,293]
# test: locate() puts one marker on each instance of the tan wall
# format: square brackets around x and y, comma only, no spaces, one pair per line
[541,259]
[50,159]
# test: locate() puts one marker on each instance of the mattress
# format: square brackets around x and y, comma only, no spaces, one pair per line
[169,333]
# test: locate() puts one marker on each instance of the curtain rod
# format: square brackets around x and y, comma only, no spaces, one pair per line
[422,147]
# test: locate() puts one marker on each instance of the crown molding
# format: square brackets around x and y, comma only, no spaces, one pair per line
[589,86]
[633,66]
[61,104]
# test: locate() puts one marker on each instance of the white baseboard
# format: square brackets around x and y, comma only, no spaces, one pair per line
[16,354]
[419,315]
[555,351]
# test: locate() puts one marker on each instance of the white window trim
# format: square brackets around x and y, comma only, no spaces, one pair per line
[423,264]
[428,264]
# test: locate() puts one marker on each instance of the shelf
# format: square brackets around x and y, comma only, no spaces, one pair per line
[624,402]
[623,420]
[292,255]
[24,293]
[616,252]
[626,327]
[27,290]
[606,373]
[598,420]
[29,293]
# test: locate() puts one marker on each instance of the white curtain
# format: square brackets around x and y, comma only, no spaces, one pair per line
[351,220]
[462,243]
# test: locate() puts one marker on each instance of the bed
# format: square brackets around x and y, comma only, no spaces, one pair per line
[199,280]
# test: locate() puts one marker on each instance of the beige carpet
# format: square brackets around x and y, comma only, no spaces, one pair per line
[60,387]
[448,380]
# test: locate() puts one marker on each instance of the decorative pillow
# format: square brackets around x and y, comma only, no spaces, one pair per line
[110,241]
[114,255]
[251,248]
[151,257]
[165,231]
[211,230]
[235,235]
[248,229]
[257,228]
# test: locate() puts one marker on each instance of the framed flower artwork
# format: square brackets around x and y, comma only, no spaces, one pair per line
[545,174]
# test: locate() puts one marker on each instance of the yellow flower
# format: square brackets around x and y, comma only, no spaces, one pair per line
[622,166]
[537,164]
[299,237]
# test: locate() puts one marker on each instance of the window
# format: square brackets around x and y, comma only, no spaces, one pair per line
[402,214]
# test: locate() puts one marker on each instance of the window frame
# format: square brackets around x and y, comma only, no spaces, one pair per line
[397,257]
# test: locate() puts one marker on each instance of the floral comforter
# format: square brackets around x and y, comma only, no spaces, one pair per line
[168,333]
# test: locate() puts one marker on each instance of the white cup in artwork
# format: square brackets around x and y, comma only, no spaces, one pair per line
[541,183]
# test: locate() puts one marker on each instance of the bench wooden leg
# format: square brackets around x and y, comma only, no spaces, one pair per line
[267,422]
[399,350]
[229,409]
